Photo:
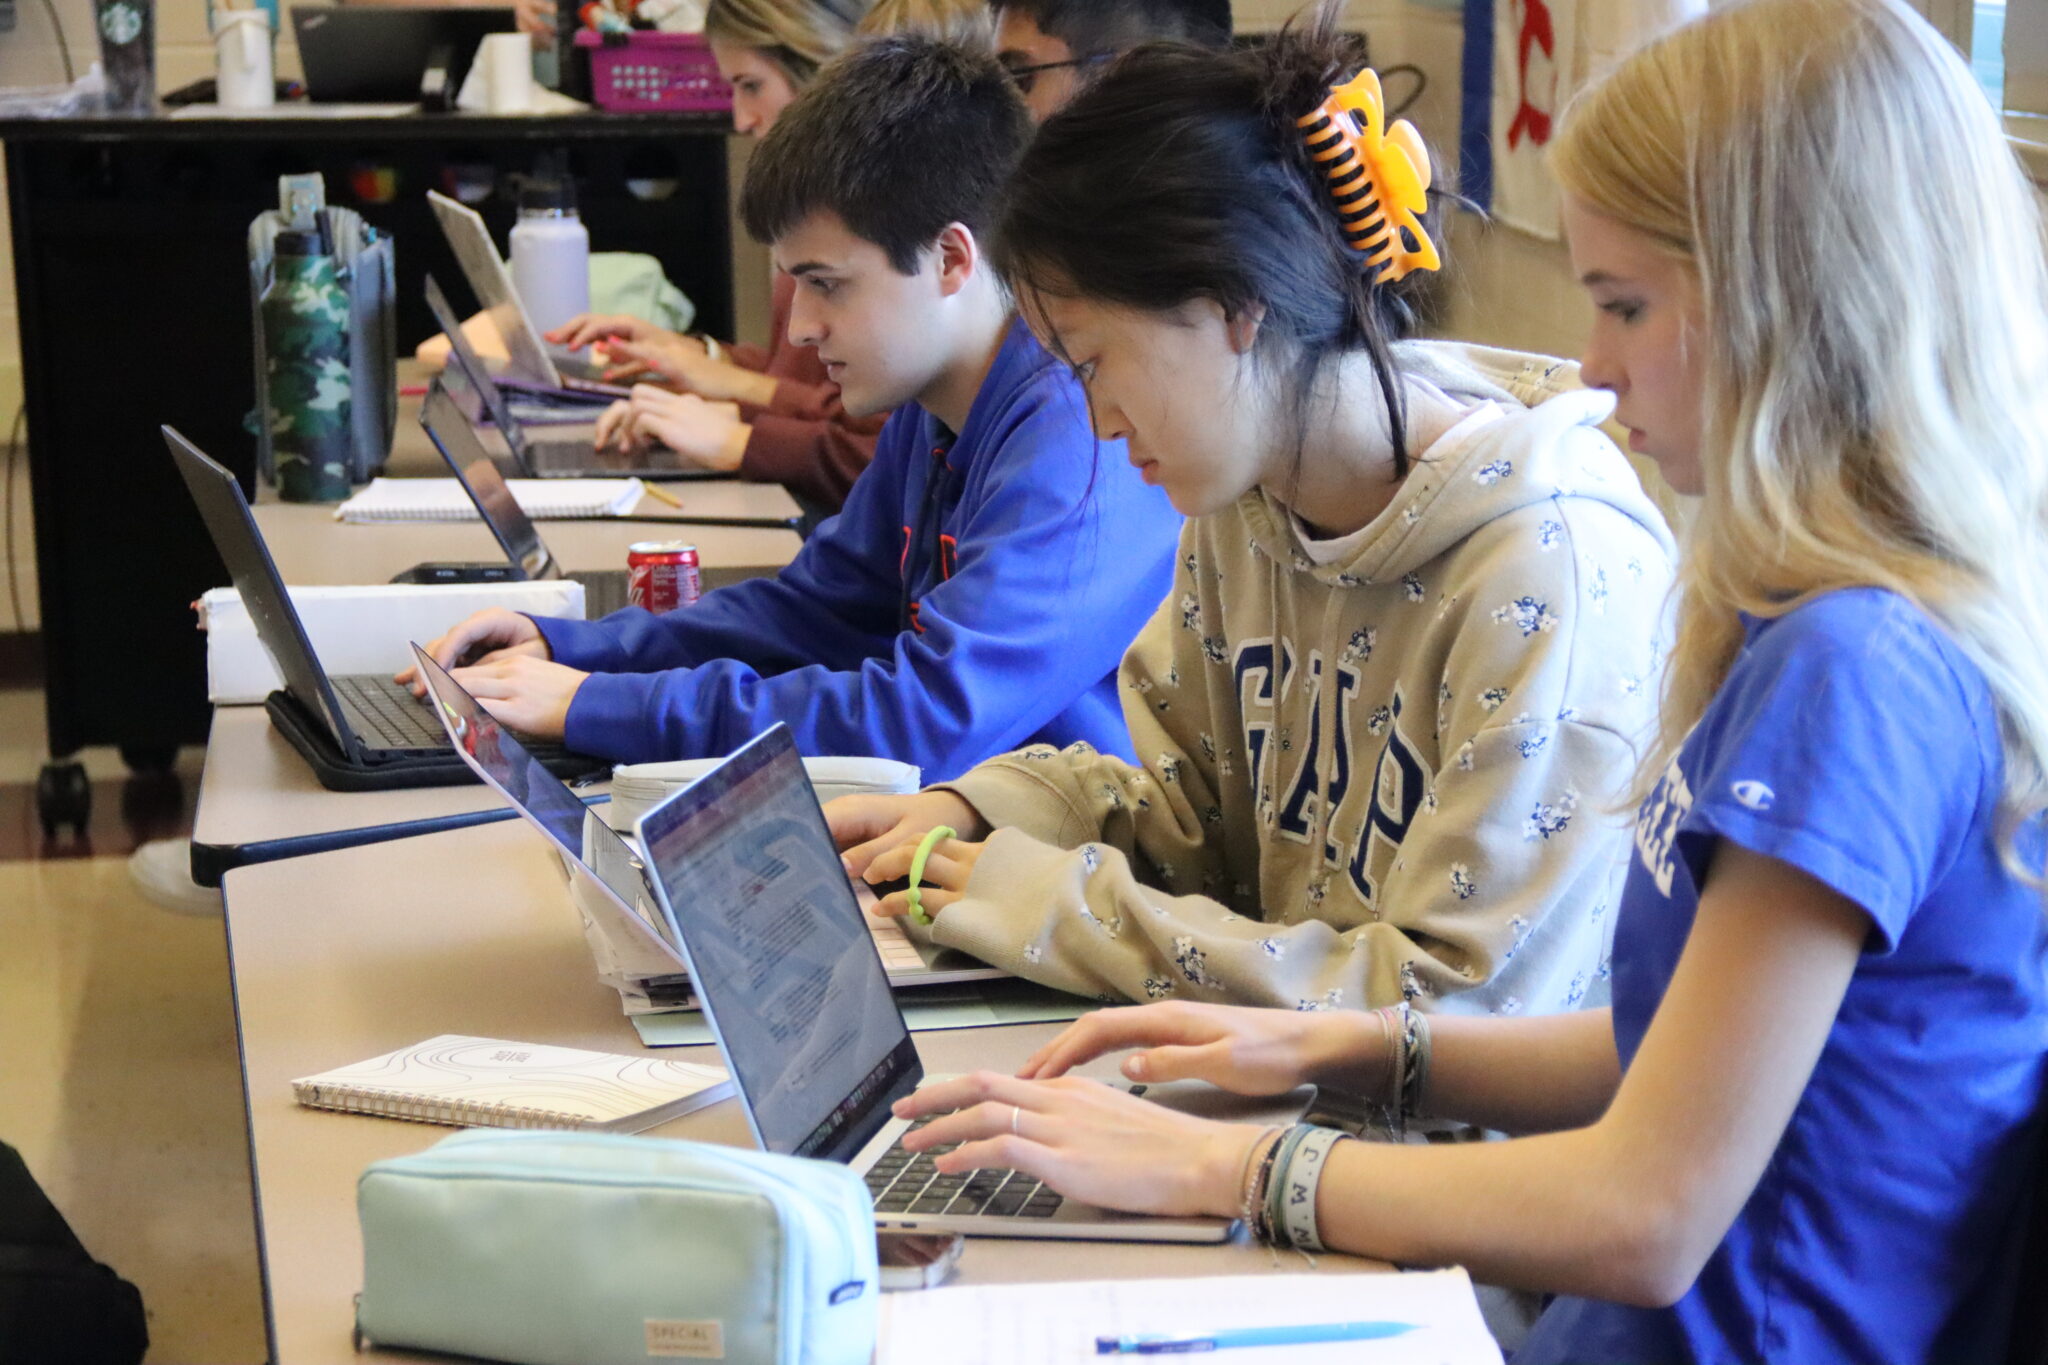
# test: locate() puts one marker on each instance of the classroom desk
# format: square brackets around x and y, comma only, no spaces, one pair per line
[341,956]
[255,788]
[311,547]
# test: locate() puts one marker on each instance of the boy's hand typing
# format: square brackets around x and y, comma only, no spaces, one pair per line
[492,633]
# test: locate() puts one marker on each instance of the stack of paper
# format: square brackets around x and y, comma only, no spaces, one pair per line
[1058,1324]
[443,499]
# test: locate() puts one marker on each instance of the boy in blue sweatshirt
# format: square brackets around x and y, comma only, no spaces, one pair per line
[989,568]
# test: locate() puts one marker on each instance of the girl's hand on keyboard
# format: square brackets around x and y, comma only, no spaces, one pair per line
[1086,1140]
[1251,1051]
[946,872]
[865,827]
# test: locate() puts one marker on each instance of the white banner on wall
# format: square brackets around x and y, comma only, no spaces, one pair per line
[1542,51]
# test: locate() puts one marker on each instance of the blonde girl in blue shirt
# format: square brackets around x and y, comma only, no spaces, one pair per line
[1802,1131]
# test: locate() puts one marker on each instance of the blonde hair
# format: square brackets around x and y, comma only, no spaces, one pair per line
[1871,262]
[969,24]
[797,35]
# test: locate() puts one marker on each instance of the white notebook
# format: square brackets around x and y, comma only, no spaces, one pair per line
[488,1082]
[444,500]
[1058,1323]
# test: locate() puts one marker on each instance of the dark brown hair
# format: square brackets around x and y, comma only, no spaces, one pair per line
[900,137]
[1181,175]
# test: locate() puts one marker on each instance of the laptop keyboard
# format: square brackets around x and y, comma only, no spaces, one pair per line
[387,715]
[909,1182]
[898,953]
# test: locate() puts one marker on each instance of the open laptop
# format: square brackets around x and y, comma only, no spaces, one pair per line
[373,54]
[358,733]
[530,365]
[506,766]
[559,457]
[449,427]
[744,869]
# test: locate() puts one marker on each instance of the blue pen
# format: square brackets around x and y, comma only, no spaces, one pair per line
[1301,1335]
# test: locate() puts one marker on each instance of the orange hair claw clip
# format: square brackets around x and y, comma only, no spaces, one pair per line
[1378,176]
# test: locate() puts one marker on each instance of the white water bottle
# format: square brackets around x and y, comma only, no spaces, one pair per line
[550,254]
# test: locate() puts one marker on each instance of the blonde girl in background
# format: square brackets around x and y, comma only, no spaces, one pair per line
[963,23]
[1804,1129]
[769,414]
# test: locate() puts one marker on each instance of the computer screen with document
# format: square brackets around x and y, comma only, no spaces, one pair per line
[747,871]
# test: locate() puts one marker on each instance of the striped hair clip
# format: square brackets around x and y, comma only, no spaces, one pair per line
[1377,177]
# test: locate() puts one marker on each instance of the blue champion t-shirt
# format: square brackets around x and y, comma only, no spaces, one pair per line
[1856,742]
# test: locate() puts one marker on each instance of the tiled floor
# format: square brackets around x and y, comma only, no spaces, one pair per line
[118,1077]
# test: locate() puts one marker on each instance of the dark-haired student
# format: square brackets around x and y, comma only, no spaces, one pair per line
[990,567]
[1053,48]
[1385,716]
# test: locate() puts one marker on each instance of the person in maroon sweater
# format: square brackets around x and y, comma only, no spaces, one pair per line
[764,413]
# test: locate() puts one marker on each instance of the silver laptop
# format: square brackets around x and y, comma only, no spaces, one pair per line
[530,364]
[618,872]
[746,874]
[455,436]
[556,457]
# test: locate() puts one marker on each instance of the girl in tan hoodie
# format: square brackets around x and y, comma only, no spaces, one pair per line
[1388,710]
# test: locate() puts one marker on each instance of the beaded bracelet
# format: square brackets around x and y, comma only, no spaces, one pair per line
[1251,1180]
[1299,1179]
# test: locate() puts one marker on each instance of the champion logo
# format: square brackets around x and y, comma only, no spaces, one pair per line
[1755,795]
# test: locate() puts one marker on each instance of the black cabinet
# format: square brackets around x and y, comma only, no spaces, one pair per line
[129,247]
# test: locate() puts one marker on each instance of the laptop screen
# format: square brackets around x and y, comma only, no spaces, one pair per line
[471,367]
[546,802]
[783,962]
[485,270]
[455,437]
[235,534]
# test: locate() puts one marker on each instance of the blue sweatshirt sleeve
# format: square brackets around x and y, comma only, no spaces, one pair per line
[1062,556]
[835,603]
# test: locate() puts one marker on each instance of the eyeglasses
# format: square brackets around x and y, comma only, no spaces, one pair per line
[1026,77]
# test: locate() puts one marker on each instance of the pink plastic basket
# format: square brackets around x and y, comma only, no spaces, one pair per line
[645,71]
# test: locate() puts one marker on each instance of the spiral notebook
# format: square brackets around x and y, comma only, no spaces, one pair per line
[488,1082]
[443,499]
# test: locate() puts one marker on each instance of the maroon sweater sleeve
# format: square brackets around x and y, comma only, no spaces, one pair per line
[803,439]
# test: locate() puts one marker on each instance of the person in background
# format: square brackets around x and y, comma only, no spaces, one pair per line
[769,414]
[994,561]
[1808,1128]
[1388,711]
[1054,48]
[963,23]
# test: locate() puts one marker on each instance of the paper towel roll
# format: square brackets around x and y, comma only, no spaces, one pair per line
[507,60]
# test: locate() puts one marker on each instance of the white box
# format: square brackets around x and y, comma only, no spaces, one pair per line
[359,629]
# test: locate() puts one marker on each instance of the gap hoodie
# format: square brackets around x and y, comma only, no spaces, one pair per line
[975,595]
[1380,768]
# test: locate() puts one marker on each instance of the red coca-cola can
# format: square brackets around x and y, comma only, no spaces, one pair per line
[662,575]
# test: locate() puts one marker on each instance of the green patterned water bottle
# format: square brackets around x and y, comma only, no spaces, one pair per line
[305,348]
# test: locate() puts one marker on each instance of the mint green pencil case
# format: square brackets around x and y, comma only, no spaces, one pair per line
[556,1248]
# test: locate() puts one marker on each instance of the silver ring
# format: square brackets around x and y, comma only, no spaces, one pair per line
[1016,1114]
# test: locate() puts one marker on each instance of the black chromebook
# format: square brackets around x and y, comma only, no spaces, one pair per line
[358,733]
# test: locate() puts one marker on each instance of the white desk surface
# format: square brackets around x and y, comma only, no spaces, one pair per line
[256,787]
[342,956]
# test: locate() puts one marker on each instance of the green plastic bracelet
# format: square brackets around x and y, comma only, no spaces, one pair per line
[924,850]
